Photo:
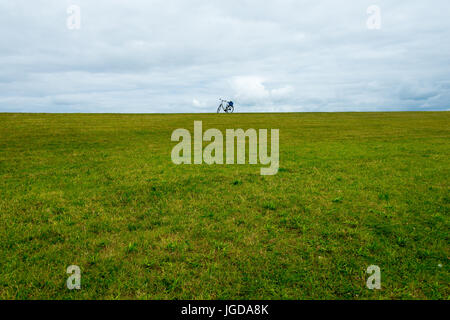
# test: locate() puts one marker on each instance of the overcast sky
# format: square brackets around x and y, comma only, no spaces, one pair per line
[183,55]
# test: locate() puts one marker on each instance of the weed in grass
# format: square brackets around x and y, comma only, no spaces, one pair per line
[338,200]
[132,247]
[269,206]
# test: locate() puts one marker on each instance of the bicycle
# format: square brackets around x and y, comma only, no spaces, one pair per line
[226,106]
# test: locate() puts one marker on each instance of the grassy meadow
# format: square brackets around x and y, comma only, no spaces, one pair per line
[100,191]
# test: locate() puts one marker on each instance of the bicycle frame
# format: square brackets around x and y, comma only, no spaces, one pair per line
[227,108]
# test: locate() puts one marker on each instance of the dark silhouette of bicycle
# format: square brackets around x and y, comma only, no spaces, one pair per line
[226,106]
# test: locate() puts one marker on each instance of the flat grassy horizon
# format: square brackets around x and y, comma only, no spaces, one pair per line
[100,191]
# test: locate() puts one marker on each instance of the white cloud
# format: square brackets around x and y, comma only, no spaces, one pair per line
[253,90]
[282,92]
[249,89]
[197,103]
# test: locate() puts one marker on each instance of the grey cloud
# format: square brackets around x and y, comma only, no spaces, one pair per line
[182,56]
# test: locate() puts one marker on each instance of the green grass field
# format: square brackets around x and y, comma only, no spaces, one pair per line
[101,192]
